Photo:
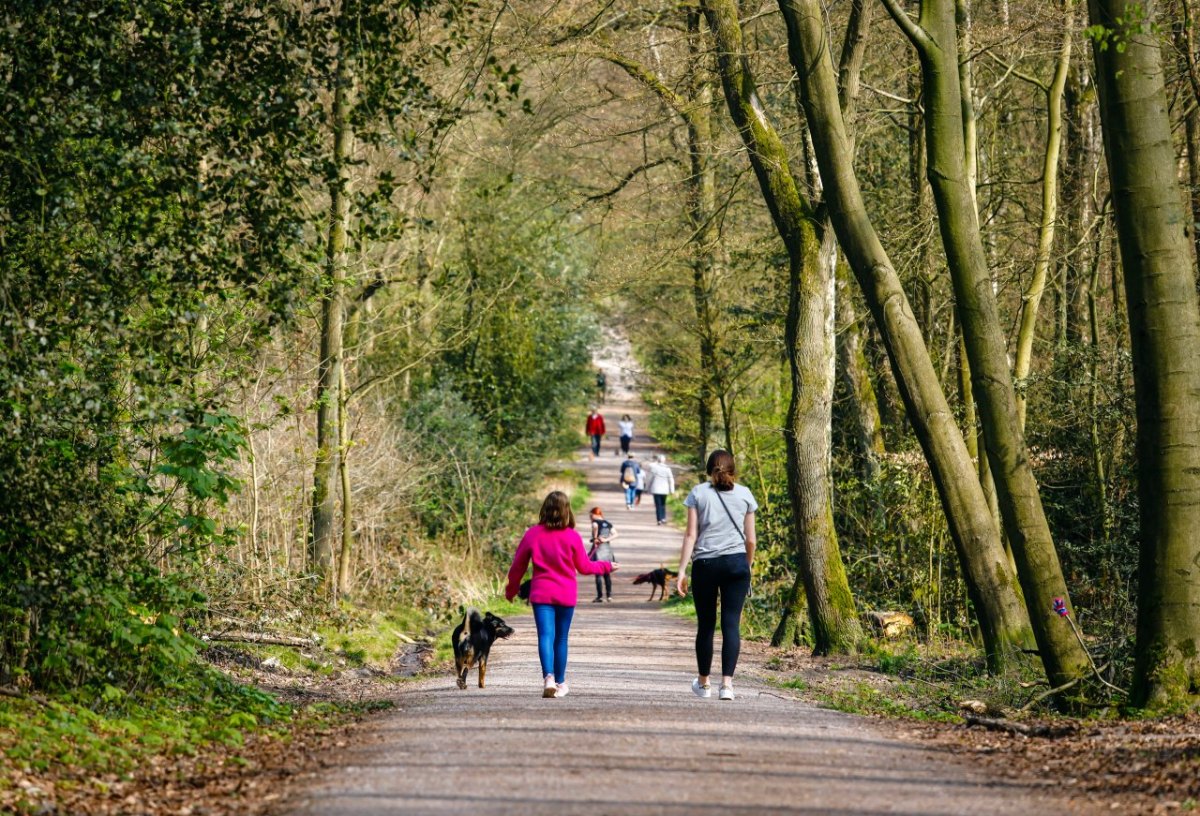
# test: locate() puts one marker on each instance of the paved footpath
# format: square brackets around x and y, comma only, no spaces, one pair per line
[631,738]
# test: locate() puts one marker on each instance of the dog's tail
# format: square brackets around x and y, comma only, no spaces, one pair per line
[470,623]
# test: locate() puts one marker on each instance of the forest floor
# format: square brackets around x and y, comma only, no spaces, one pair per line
[630,738]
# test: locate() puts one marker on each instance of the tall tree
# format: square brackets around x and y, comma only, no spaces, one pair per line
[989,579]
[1032,298]
[329,367]
[934,36]
[808,334]
[1164,331]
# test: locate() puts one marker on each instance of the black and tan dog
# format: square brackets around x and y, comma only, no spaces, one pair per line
[472,641]
[658,580]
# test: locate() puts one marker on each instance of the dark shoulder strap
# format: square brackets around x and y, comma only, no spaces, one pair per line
[733,521]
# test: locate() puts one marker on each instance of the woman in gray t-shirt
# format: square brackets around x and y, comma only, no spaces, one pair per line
[719,542]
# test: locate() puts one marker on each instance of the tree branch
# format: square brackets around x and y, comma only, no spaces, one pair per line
[630,176]
[908,25]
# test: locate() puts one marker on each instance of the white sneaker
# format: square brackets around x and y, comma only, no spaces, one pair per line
[562,689]
[726,693]
[704,691]
[550,689]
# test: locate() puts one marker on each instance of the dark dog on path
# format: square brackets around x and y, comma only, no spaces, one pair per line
[472,641]
[658,580]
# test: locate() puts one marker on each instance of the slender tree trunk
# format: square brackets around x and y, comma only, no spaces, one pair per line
[990,582]
[1185,46]
[329,369]
[934,37]
[1041,265]
[852,362]
[1079,165]
[1164,333]
[701,212]
[343,578]
[809,343]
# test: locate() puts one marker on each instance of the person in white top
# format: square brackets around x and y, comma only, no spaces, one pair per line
[660,481]
[625,425]
[719,543]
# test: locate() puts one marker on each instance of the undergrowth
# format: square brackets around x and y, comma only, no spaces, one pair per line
[111,733]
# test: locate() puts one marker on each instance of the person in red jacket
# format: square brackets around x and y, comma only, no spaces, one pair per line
[595,429]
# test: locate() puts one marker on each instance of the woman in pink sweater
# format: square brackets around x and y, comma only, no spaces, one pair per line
[557,553]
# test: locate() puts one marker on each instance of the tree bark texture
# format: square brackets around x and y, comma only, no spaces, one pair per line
[1028,531]
[1164,332]
[809,343]
[990,581]
[329,368]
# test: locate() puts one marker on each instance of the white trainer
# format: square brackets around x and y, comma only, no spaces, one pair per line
[562,689]
[550,689]
[726,693]
[704,691]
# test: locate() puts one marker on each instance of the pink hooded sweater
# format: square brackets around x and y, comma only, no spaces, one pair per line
[557,555]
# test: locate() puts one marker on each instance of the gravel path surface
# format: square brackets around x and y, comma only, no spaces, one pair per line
[631,738]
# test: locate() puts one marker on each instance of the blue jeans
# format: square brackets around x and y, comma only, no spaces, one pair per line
[553,626]
[630,494]
[596,444]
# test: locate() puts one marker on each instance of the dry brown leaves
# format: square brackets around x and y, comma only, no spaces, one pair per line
[1124,766]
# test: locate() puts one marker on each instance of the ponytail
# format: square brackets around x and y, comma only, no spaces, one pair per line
[721,470]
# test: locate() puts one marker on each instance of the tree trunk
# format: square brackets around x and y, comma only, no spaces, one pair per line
[329,368]
[852,362]
[790,629]
[1041,265]
[1184,35]
[1164,332]
[990,582]
[809,343]
[934,37]
[852,359]
[343,577]
[701,213]
[1079,159]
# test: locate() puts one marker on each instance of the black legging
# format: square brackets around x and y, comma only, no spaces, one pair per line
[603,582]
[728,575]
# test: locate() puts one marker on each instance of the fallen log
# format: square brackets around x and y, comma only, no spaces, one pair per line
[995,724]
[17,694]
[260,638]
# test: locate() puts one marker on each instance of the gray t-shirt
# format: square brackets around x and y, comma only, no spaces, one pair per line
[717,534]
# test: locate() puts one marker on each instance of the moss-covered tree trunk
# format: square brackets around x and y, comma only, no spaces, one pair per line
[809,343]
[935,37]
[1164,331]
[329,367]
[990,580]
